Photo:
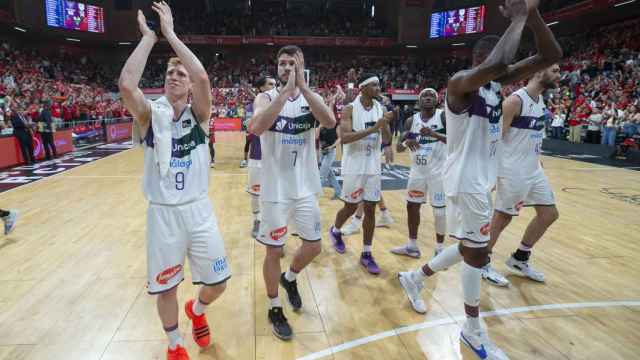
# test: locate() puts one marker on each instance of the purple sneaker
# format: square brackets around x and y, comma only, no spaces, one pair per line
[366,259]
[336,239]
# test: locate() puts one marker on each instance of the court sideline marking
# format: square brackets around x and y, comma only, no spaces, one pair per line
[452,320]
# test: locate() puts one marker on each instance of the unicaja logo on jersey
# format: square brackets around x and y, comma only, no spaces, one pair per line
[281,124]
[168,274]
[277,234]
[484,230]
[184,147]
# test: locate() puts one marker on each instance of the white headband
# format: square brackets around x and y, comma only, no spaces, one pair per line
[368,81]
[428,90]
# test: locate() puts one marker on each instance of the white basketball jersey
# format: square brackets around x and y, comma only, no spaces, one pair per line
[430,158]
[473,143]
[289,162]
[188,177]
[362,157]
[523,141]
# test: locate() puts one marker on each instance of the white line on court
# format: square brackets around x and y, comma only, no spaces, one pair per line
[452,320]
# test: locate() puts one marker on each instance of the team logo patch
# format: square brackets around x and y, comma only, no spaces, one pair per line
[277,234]
[281,124]
[416,194]
[186,123]
[220,264]
[168,274]
[519,205]
[484,230]
[354,195]
[255,188]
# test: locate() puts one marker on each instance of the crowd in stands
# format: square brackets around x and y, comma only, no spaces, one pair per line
[74,87]
[600,90]
[277,20]
[598,100]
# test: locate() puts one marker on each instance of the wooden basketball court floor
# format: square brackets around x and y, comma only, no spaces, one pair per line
[72,276]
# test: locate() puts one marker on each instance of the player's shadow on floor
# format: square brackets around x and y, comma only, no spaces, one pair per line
[7,242]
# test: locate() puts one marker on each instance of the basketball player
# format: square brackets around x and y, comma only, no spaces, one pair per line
[263,84]
[180,218]
[285,119]
[364,126]
[474,115]
[9,218]
[425,137]
[521,179]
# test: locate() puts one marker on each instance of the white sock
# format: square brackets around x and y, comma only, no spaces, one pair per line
[412,243]
[274,302]
[255,207]
[337,230]
[175,338]
[447,258]
[198,307]
[471,277]
[420,274]
[367,248]
[440,220]
[439,246]
[474,322]
[524,247]
[356,220]
[290,275]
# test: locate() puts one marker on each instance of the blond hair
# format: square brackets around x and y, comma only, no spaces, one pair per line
[174,61]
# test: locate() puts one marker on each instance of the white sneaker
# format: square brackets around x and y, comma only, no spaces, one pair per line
[523,268]
[385,219]
[353,227]
[10,221]
[406,250]
[493,277]
[243,163]
[478,341]
[412,288]
[213,165]
[437,251]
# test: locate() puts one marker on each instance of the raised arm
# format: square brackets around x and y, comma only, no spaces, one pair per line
[266,110]
[549,52]
[201,90]
[345,130]
[319,109]
[496,64]
[400,147]
[510,109]
[132,96]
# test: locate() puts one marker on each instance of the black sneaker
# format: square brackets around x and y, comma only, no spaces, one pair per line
[281,328]
[292,292]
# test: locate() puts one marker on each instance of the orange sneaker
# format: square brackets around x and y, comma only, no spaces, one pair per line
[179,353]
[200,328]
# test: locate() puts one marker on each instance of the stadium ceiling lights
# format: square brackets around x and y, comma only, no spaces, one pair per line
[124,43]
[624,3]
[412,46]
[72,39]
[20,29]
[556,22]
[458,44]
